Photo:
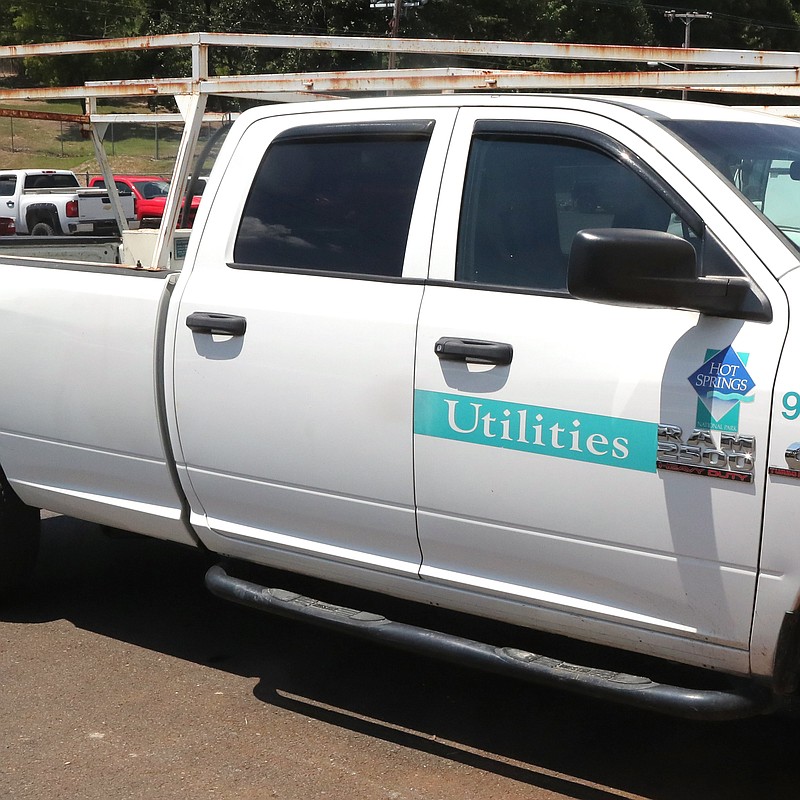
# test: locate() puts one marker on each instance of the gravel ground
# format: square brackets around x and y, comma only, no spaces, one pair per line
[121,677]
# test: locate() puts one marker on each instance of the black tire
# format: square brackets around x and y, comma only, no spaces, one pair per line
[43,229]
[19,538]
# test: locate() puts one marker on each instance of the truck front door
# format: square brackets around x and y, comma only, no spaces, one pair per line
[541,420]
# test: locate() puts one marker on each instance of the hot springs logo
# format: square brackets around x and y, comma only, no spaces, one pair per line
[722,385]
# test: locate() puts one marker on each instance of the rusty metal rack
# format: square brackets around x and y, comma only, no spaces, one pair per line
[743,72]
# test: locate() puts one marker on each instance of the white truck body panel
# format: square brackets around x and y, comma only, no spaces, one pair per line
[779,575]
[94,447]
[95,250]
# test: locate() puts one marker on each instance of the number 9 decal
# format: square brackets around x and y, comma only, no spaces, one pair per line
[791,405]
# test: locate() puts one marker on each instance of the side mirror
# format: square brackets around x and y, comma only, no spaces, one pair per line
[632,267]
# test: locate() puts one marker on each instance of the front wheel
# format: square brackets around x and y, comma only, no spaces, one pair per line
[19,538]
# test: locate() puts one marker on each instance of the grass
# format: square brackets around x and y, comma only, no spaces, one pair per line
[137,149]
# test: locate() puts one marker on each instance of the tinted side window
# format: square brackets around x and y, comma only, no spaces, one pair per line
[338,203]
[526,198]
[8,184]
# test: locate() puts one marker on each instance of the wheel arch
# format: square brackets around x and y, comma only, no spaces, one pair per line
[42,212]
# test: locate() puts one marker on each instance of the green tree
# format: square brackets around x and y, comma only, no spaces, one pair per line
[761,24]
[35,21]
[621,22]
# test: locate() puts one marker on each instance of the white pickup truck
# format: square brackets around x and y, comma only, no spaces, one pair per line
[529,358]
[52,202]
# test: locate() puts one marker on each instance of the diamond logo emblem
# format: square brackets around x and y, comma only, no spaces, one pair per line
[723,382]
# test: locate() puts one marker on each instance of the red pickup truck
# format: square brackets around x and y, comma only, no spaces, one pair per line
[150,195]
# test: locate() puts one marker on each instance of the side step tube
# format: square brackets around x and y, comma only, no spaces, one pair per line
[632,690]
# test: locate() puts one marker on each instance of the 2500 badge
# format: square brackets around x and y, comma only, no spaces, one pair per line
[733,458]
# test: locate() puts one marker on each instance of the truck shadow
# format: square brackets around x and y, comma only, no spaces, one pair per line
[151,594]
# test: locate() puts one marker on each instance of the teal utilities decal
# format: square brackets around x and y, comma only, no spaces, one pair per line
[722,385]
[557,432]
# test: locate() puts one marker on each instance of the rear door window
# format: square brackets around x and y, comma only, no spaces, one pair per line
[8,185]
[335,199]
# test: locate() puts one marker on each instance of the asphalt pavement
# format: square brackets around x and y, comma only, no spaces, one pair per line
[122,677]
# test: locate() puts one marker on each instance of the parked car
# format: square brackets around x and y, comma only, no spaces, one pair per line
[150,196]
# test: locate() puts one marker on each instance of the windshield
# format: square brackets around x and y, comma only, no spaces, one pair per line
[152,189]
[762,160]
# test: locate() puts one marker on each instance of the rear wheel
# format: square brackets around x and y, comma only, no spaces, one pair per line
[19,538]
[43,229]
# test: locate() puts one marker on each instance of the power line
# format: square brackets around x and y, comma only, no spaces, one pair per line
[718,15]
[687,18]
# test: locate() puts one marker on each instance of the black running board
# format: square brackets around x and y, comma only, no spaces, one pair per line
[631,690]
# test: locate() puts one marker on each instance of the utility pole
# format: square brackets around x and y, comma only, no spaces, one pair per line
[394,30]
[687,18]
[398,7]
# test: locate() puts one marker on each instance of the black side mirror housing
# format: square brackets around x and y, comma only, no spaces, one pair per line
[632,267]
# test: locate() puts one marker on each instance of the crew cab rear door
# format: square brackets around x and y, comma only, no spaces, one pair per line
[295,340]
[540,419]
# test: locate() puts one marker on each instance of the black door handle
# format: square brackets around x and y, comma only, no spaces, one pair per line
[473,351]
[209,322]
